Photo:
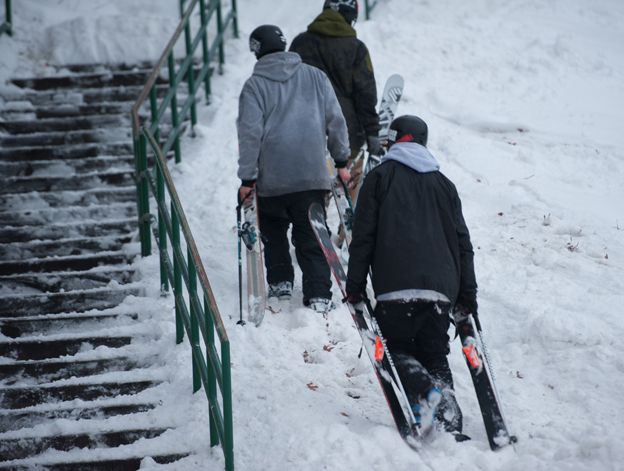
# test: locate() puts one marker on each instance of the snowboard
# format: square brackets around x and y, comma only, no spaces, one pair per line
[256,288]
[474,352]
[373,341]
[392,92]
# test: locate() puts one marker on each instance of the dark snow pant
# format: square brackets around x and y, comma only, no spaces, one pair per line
[416,336]
[276,214]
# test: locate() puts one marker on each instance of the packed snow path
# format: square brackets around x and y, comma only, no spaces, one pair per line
[82,375]
[524,103]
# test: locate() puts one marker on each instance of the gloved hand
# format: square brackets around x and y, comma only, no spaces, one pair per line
[373,143]
[467,307]
[353,298]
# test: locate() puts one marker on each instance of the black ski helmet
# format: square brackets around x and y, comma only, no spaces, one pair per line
[408,128]
[266,39]
[347,8]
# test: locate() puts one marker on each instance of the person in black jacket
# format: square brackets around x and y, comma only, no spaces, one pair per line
[331,44]
[410,231]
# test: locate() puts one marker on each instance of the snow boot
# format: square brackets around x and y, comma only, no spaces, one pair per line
[281,290]
[425,410]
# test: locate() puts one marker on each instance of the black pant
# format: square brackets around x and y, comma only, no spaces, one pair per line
[276,213]
[416,336]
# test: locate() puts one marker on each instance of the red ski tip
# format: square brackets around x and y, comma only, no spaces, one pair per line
[379,349]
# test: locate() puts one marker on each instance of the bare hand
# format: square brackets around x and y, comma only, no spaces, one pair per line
[244,193]
[344,175]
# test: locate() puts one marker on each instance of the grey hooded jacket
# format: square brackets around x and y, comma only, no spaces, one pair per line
[288,116]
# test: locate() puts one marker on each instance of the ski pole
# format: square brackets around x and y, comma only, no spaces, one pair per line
[240,264]
[239,208]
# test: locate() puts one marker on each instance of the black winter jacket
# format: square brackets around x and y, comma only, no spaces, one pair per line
[410,229]
[331,45]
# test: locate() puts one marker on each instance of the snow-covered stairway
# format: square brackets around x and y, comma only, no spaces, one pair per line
[79,371]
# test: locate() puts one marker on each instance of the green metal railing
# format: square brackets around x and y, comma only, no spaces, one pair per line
[7,25]
[368,7]
[196,310]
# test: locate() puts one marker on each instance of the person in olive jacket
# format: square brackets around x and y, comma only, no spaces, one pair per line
[410,231]
[331,44]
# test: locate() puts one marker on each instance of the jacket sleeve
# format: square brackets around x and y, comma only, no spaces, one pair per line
[365,92]
[468,281]
[335,125]
[362,248]
[250,128]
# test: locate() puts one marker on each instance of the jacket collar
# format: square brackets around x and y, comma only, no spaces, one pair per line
[331,23]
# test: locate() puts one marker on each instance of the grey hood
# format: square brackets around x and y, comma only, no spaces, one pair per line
[277,66]
[288,116]
[414,155]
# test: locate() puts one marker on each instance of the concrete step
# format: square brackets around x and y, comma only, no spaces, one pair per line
[33,283]
[91,67]
[16,327]
[16,419]
[63,247]
[67,263]
[105,78]
[63,231]
[25,111]
[58,168]
[62,138]
[72,301]
[47,371]
[19,398]
[35,349]
[88,96]
[74,151]
[59,199]
[72,123]
[95,213]
[17,448]
[72,213]
[98,463]
[71,182]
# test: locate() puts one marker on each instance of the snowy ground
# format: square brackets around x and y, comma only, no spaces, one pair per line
[524,101]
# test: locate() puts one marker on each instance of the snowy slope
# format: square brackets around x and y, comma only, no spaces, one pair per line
[524,103]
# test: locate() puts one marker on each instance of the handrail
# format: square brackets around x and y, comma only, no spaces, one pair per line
[368,7]
[7,25]
[196,310]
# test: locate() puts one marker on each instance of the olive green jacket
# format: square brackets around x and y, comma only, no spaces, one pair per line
[331,44]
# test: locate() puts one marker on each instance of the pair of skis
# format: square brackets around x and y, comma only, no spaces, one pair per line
[372,339]
[249,236]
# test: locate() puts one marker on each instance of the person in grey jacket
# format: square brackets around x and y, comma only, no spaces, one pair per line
[288,116]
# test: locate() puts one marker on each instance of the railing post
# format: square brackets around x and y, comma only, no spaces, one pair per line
[235,18]
[140,149]
[162,229]
[9,16]
[220,30]
[192,289]
[174,107]
[154,111]
[212,375]
[205,53]
[177,272]
[190,75]
[228,433]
